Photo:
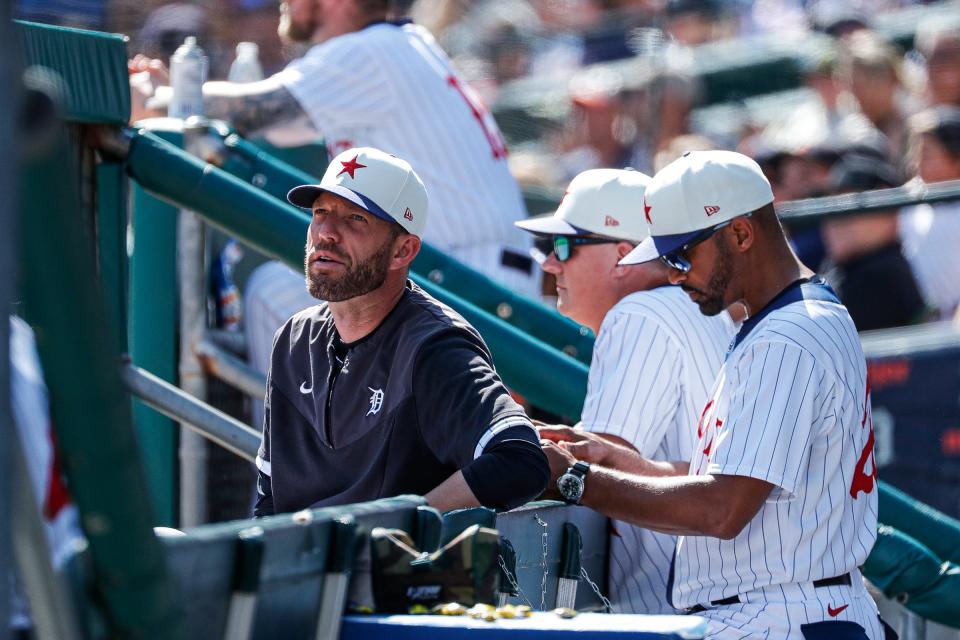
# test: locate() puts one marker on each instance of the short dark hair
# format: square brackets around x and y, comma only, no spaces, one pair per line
[396,231]
[766,218]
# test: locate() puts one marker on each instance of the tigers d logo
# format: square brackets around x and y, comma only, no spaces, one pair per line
[376,401]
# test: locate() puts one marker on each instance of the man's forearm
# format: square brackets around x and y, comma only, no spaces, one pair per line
[452,493]
[254,106]
[630,461]
[678,505]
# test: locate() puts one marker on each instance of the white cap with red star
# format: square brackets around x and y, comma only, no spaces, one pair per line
[375,181]
[606,202]
[698,191]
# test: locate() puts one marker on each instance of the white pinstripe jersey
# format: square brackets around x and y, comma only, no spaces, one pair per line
[274,292]
[790,406]
[392,87]
[930,234]
[654,363]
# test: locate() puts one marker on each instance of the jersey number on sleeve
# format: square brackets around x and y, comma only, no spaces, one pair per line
[497,145]
[863,481]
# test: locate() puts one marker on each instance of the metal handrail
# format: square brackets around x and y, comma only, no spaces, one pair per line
[815,209]
[173,402]
[232,370]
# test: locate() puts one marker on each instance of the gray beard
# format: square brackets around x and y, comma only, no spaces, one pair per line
[357,280]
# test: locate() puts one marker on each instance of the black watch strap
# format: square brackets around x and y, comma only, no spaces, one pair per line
[580,469]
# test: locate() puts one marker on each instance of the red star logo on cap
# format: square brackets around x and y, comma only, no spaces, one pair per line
[646,211]
[350,166]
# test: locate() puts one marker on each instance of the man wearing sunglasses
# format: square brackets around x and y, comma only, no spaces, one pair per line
[653,362]
[777,507]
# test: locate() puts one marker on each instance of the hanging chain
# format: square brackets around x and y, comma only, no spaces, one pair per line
[513,581]
[543,563]
[596,589]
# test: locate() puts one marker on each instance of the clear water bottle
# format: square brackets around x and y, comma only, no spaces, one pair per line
[188,72]
[246,66]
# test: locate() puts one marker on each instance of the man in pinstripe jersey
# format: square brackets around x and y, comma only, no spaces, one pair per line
[653,362]
[777,507]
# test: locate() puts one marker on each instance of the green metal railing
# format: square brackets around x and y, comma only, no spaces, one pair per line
[9,110]
[90,410]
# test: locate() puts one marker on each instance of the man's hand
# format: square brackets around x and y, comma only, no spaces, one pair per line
[607,451]
[583,445]
[146,74]
[560,460]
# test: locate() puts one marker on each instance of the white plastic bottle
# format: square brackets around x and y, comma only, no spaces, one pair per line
[188,72]
[246,66]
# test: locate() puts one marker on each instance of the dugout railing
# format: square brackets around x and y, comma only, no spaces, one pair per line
[74,184]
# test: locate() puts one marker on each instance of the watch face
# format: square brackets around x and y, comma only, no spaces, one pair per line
[570,487]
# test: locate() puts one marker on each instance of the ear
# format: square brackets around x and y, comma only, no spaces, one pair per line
[405,249]
[623,248]
[744,232]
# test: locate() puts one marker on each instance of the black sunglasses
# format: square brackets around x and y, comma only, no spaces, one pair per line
[563,245]
[677,259]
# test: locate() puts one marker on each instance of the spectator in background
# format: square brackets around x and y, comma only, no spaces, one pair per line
[597,133]
[870,71]
[938,40]
[804,173]
[931,232]
[678,146]
[168,26]
[691,22]
[870,274]
[837,18]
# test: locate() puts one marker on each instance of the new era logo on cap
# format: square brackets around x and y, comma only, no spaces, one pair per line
[711,209]
[610,221]
[377,182]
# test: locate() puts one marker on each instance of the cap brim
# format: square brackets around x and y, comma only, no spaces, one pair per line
[656,246]
[549,225]
[306,194]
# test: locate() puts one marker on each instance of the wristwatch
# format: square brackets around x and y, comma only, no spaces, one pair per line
[571,483]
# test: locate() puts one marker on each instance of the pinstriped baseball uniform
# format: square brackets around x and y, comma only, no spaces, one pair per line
[274,292]
[653,366]
[391,87]
[929,234]
[790,406]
